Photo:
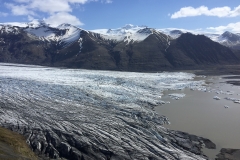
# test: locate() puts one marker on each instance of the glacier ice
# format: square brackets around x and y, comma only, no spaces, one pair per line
[72,112]
[176,96]
[216,97]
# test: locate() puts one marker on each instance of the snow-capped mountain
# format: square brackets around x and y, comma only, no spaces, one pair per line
[67,34]
[135,48]
[63,35]
[227,38]
[230,39]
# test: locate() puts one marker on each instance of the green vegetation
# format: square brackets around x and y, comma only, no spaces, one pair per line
[13,146]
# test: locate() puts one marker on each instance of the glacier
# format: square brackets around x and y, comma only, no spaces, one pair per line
[75,113]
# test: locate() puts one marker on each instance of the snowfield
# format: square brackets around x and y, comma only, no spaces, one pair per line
[108,110]
[68,33]
[128,33]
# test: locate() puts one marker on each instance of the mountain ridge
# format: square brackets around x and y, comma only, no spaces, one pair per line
[131,48]
[129,30]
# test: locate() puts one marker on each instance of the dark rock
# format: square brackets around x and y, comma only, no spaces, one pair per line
[51,152]
[209,144]
[229,154]
[75,154]
[192,143]
[64,149]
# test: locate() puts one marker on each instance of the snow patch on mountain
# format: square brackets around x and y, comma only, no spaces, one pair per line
[43,33]
[64,34]
[128,33]
[9,29]
[80,41]
[72,34]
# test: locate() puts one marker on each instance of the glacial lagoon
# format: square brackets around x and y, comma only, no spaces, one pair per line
[200,114]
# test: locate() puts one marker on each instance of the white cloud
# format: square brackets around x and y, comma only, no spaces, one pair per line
[78,1]
[203,10]
[54,8]
[107,1]
[3,14]
[22,1]
[46,6]
[62,17]
[232,27]
[19,10]
[50,6]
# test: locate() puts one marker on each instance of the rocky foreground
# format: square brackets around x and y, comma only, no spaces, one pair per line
[81,114]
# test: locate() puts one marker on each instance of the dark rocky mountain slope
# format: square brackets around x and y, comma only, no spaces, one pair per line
[198,50]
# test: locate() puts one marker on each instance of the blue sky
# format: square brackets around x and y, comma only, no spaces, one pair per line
[205,15]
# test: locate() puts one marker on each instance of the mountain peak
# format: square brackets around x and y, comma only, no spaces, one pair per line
[66,26]
[230,36]
[145,30]
[37,23]
[129,26]
[227,33]
[179,32]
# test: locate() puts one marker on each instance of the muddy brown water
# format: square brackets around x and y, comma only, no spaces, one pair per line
[198,113]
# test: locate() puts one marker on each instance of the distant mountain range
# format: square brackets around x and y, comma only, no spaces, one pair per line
[228,39]
[130,48]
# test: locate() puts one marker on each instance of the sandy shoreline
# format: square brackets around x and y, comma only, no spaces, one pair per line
[199,114]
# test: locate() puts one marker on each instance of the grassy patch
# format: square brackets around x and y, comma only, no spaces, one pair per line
[14,146]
